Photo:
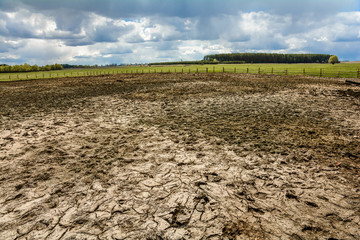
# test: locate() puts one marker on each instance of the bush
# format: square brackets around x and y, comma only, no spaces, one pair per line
[333,59]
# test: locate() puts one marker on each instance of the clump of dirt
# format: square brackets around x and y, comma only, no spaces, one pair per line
[180,156]
[350,93]
[242,230]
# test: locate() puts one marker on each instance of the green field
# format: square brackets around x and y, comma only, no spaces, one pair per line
[343,70]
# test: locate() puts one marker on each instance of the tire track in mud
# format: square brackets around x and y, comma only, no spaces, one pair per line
[110,169]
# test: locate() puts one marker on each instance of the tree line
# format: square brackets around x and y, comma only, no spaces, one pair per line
[66,66]
[269,58]
[201,62]
[4,68]
[28,68]
[182,63]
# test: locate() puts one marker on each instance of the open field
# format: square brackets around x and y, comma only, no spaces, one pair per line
[180,156]
[343,70]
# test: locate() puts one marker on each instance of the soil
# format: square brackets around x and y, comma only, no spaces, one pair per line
[180,156]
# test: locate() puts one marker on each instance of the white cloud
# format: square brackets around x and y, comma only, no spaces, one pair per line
[39,51]
[295,44]
[200,48]
[349,18]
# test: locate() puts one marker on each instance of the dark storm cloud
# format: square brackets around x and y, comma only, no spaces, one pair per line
[131,8]
[350,38]
[4,47]
[183,8]
[68,19]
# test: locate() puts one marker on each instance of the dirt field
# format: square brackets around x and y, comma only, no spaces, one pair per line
[180,156]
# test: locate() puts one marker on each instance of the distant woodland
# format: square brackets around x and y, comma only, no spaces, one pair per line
[29,68]
[268,58]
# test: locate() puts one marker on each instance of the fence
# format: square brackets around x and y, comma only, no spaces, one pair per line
[274,71]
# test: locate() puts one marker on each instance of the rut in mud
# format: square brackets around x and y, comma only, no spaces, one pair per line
[180,156]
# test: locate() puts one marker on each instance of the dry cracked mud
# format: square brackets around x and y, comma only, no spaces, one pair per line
[180,156]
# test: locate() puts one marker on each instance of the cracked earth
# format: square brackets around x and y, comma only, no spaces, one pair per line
[180,156]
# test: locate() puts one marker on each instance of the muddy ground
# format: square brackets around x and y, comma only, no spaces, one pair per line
[180,156]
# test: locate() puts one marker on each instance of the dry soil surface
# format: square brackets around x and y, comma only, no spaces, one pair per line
[180,156]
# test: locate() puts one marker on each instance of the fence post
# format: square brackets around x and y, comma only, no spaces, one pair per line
[259,71]
[320,72]
[197,70]
[223,69]
[304,71]
[213,69]
[286,72]
[247,70]
[207,70]
[189,70]
[182,70]
[358,73]
[272,70]
[234,69]
[9,77]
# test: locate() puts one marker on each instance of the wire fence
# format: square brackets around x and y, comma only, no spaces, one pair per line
[266,71]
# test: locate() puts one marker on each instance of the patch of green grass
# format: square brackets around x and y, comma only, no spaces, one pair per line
[57,73]
[343,70]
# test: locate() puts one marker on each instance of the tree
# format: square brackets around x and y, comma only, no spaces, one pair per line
[333,59]
[26,67]
[34,68]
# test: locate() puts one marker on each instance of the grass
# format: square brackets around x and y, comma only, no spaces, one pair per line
[344,70]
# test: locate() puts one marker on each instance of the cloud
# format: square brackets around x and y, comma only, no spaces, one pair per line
[26,24]
[108,31]
[184,8]
[102,29]
[91,29]
[39,51]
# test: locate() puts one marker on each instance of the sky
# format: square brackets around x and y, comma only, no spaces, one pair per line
[141,31]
